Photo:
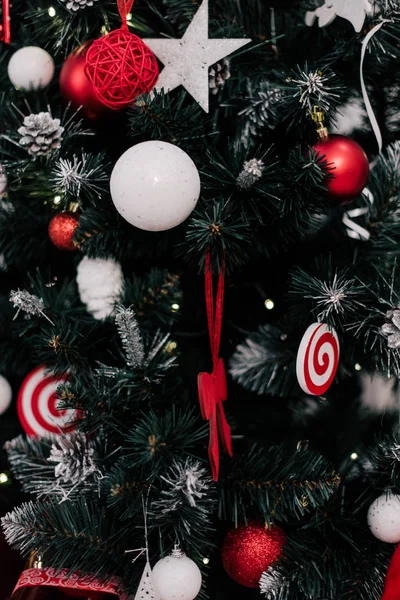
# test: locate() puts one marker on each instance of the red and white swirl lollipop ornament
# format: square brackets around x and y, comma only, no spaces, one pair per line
[37,405]
[317,359]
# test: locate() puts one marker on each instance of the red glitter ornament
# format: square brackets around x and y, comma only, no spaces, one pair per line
[120,65]
[61,230]
[76,87]
[249,550]
[349,164]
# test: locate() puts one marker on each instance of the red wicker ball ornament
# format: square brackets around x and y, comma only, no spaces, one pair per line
[120,67]
[349,166]
[61,230]
[249,550]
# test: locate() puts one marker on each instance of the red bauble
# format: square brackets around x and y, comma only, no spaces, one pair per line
[249,550]
[76,87]
[120,67]
[61,230]
[349,164]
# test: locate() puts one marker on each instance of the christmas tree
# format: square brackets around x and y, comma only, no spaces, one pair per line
[199,232]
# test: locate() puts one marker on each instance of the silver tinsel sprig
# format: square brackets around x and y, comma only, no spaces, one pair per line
[29,303]
[391,329]
[334,296]
[74,456]
[75,5]
[314,87]
[252,171]
[271,583]
[187,483]
[129,332]
[14,523]
[41,134]
[72,176]
[218,74]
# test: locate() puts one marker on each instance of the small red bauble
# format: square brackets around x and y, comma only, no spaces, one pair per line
[120,67]
[349,164]
[76,87]
[61,230]
[249,550]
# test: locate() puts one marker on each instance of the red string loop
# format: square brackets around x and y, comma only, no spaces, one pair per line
[124,8]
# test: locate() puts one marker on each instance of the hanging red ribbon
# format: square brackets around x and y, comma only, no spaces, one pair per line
[212,386]
[124,8]
[5,33]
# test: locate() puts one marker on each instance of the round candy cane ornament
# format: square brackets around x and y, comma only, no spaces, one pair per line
[317,359]
[37,405]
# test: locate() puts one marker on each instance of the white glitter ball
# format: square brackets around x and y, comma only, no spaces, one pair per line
[31,68]
[155,185]
[177,578]
[384,518]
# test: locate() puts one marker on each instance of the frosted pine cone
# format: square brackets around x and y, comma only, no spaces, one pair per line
[219,73]
[78,4]
[391,329]
[41,134]
[252,171]
[74,458]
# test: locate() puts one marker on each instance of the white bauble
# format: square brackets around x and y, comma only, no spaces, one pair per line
[5,394]
[155,185]
[384,518]
[100,285]
[177,577]
[31,68]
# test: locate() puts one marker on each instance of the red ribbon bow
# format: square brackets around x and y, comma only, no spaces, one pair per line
[212,386]
[5,33]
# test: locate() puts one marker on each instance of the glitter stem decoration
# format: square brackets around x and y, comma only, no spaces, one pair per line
[119,65]
[212,386]
[146,589]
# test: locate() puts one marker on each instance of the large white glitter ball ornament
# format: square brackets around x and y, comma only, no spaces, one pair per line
[177,577]
[155,185]
[31,68]
[100,284]
[384,518]
[5,394]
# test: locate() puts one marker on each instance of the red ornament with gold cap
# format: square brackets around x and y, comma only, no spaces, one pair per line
[120,65]
[346,160]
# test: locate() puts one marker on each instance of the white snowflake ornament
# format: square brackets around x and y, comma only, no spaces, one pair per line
[147,589]
[354,11]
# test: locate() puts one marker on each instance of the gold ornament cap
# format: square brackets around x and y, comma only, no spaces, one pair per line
[318,116]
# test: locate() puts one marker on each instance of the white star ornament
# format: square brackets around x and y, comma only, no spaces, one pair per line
[187,60]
